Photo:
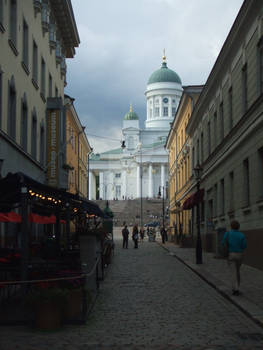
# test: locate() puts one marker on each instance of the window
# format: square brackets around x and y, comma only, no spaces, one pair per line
[260,65]
[42,145]
[1,94]
[13,22]
[35,62]
[25,44]
[1,15]
[157,111]
[130,142]
[118,191]
[34,136]
[221,114]
[260,172]
[118,175]
[24,121]
[246,187]
[215,129]
[165,111]
[173,111]
[244,88]
[43,77]
[215,201]
[202,148]
[231,191]
[208,138]
[198,152]
[56,92]
[222,197]
[230,108]
[193,158]
[11,124]
[50,85]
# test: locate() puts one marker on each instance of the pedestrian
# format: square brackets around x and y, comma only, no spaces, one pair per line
[236,244]
[163,234]
[142,233]
[135,235]
[125,235]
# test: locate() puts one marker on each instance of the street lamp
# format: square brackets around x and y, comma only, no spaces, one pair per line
[159,194]
[197,174]
[140,150]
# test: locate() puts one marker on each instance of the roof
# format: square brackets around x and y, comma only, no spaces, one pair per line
[164,74]
[131,115]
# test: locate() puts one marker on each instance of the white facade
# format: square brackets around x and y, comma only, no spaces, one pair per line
[141,168]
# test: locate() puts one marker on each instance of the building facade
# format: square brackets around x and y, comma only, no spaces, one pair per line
[226,131]
[141,168]
[36,37]
[77,152]
[180,180]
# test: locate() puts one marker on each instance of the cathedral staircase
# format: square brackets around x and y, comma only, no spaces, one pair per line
[129,211]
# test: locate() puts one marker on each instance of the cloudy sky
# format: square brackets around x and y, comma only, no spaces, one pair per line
[122,43]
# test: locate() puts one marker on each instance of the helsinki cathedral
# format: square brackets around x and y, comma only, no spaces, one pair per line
[140,169]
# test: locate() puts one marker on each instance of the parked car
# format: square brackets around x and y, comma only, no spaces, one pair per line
[152,224]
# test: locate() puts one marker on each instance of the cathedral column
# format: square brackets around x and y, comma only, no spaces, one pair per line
[101,184]
[163,179]
[124,184]
[150,190]
[138,181]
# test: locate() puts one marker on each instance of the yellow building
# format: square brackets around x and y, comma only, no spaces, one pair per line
[77,151]
[178,145]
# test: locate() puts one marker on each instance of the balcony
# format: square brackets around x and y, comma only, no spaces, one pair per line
[45,16]
[37,6]
[52,36]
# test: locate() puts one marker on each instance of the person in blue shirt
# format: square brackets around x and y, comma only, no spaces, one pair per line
[237,243]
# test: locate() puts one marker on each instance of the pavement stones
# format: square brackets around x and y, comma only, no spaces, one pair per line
[149,300]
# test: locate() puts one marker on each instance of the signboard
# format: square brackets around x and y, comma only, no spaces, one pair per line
[53,147]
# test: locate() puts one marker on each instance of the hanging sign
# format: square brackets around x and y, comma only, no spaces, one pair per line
[53,147]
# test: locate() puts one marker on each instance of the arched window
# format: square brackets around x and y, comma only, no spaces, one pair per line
[34,134]
[24,122]
[11,124]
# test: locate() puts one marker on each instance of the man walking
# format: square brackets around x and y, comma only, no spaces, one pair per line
[125,235]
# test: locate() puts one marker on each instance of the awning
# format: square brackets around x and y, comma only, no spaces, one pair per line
[10,217]
[194,199]
[38,219]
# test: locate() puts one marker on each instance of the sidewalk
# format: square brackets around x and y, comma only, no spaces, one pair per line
[214,272]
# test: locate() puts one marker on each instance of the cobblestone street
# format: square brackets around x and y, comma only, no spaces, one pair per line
[148,300]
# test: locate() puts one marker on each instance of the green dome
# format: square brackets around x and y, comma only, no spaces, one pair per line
[131,115]
[164,74]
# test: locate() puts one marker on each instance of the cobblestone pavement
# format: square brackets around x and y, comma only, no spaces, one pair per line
[215,272]
[149,300]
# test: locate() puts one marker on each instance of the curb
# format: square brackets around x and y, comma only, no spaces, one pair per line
[255,315]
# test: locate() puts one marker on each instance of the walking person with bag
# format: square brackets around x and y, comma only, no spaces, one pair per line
[235,243]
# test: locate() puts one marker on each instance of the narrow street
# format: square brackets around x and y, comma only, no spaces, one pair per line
[148,300]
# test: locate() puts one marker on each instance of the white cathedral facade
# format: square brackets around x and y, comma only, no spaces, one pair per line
[141,168]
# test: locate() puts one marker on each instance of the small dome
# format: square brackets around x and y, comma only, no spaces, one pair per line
[131,115]
[164,74]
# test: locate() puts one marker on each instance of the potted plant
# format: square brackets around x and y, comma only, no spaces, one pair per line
[47,303]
